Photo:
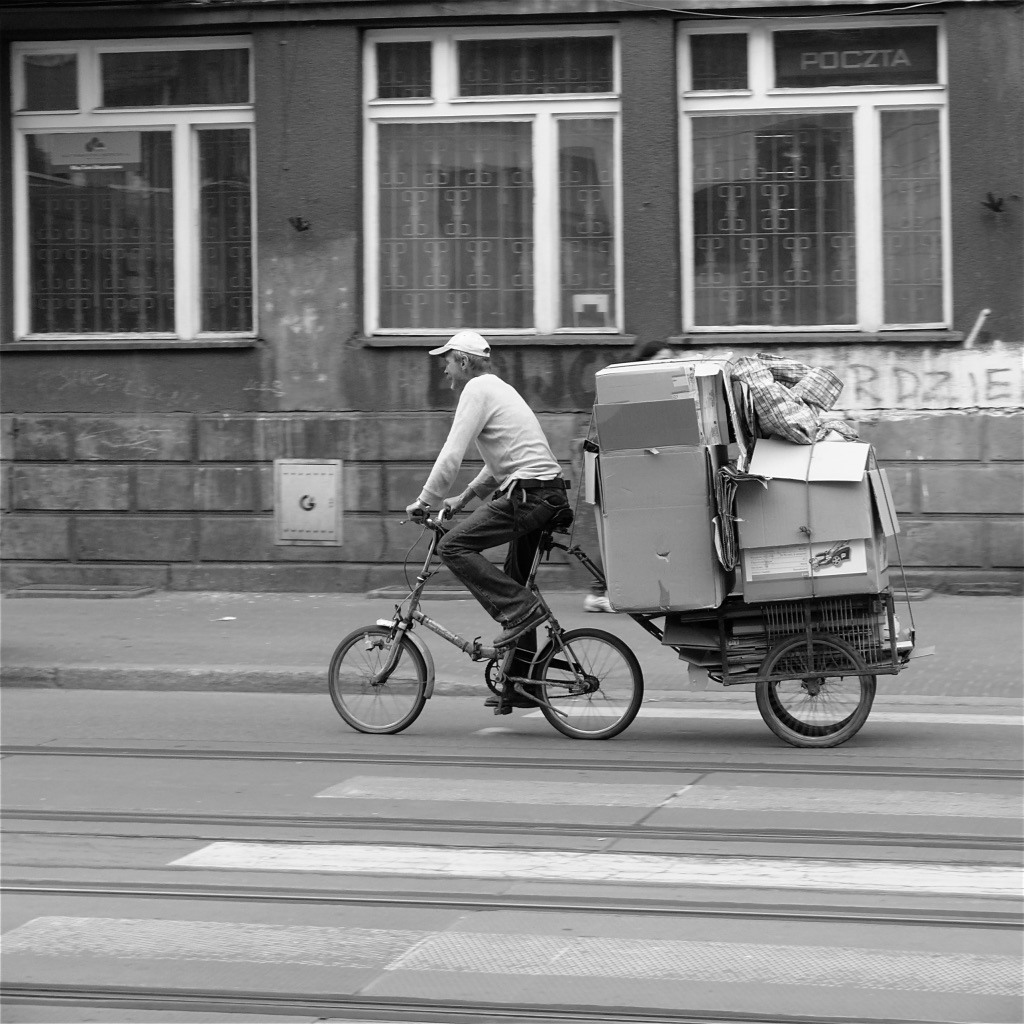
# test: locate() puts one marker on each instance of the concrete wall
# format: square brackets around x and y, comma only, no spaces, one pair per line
[156,466]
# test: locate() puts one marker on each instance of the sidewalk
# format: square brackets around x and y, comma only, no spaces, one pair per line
[177,640]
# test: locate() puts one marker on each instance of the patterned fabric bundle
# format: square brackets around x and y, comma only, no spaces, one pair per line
[788,396]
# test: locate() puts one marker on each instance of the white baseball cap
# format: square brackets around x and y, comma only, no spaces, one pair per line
[465,341]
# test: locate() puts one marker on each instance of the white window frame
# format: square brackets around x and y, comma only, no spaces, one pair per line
[865,103]
[542,111]
[184,122]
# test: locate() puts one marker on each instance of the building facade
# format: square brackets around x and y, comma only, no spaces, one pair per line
[232,229]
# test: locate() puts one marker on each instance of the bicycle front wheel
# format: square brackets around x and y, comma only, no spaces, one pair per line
[826,696]
[593,680]
[366,702]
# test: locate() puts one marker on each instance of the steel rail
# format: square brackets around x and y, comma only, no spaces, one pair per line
[395,1010]
[595,903]
[642,763]
[931,841]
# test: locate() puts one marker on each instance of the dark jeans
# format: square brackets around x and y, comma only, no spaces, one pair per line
[517,519]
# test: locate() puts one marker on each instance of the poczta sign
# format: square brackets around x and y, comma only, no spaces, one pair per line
[870,56]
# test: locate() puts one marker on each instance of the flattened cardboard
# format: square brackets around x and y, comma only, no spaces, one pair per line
[779,514]
[884,505]
[591,493]
[661,559]
[657,533]
[670,477]
[827,460]
[634,425]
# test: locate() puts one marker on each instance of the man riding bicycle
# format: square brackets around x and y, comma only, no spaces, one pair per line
[520,475]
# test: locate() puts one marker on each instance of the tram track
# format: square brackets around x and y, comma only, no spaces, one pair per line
[595,903]
[641,761]
[362,1009]
[262,822]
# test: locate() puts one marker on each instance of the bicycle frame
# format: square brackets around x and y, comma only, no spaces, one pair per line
[402,624]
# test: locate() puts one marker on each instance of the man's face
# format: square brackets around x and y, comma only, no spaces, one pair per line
[455,369]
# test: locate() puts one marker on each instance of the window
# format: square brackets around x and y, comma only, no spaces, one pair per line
[492,176]
[134,184]
[814,193]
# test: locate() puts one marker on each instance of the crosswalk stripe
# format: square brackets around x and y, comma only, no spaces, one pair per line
[389,787]
[584,866]
[835,800]
[524,953]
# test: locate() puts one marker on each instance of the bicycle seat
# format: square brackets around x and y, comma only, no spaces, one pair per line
[561,521]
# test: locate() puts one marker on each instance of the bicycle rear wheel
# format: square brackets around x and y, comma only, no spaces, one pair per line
[825,699]
[594,680]
[385,705]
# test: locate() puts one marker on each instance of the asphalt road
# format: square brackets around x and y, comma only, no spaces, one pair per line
[238,856]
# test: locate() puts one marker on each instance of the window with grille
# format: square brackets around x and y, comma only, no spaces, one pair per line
[492,184]
[134,179]
[816,198]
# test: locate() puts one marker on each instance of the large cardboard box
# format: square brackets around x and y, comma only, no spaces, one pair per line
[657,533]
[698,384]
[658,380]
[819,526]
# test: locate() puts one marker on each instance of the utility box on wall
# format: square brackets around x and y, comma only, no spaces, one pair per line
[307,501]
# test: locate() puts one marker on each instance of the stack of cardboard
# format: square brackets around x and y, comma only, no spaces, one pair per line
[662,429]
[811,520]
[819,524]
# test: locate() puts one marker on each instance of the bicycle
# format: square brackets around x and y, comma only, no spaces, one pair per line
[586,682]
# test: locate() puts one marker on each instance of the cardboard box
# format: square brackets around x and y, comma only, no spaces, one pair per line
[634,425]
[700,382]
[819,527]
[658,380]
[657,534]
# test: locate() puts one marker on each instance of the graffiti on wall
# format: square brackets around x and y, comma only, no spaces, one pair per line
[919,378]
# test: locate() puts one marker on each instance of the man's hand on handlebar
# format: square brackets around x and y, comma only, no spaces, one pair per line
[417,510]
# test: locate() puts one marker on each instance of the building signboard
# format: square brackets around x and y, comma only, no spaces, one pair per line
[94,151]
[905,55]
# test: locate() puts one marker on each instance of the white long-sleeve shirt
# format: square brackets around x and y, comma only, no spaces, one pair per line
[508,437]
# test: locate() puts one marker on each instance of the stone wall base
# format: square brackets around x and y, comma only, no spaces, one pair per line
[186,501]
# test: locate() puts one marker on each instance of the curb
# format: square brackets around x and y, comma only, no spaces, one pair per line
[258,680]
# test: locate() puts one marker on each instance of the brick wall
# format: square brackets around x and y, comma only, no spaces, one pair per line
[185,501]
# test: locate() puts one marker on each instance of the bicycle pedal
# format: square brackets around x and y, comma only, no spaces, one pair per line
[503,709]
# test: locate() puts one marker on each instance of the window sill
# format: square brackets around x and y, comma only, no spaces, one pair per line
[725,339]
[44,344]
[498,341]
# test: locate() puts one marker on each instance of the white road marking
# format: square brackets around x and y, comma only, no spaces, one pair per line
[537,955]
[835,800]
[997,880]
[737,715]
[563,793]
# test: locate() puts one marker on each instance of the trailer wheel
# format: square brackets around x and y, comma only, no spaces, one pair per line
[821,693]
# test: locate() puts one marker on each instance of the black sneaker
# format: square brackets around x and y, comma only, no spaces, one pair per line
[517,701]
[524,625]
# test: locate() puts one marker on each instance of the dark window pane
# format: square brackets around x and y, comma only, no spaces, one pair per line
[172,79]
[912,216]
[225,243]
[906,55]
[403,70]
[51,81]
[511,67]
[101,232]
[719,62]
[456,225]
[774,241]
[586,204]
